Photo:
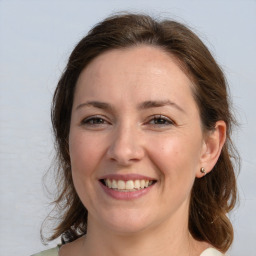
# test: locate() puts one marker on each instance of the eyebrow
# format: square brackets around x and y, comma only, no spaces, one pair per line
[159,103]
[144,105]
[96,104]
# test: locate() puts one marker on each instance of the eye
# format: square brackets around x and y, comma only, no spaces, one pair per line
[94,121]
[160,120]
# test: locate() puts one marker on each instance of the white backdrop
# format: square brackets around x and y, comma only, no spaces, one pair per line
[36,38]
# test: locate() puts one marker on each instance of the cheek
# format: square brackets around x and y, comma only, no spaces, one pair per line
[176,162]
[84,153]
[175,155]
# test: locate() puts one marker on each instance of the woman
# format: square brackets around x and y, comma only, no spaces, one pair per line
[142,123]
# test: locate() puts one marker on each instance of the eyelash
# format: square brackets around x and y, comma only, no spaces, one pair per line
[96,121]
[90,121]
[167,121]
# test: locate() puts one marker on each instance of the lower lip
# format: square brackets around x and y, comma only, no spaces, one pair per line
[126,195]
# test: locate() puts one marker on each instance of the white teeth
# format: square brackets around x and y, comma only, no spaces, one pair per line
[121,184]
[128,185]
[137,184]
[109,183]
[114,184]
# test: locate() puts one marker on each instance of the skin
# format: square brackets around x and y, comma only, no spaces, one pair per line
[162,141]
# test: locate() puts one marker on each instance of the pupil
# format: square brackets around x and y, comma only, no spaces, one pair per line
[98,121]
[159,121]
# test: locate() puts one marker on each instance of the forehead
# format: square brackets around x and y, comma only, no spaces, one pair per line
[143,58]
[135,73]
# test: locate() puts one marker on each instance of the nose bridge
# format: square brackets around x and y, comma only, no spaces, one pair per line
[125,146]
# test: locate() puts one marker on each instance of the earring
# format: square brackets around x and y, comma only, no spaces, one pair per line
[202,170]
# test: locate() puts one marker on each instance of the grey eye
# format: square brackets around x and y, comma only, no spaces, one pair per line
[160,120]
[94,120]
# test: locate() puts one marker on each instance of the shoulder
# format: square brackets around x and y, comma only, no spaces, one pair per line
[49,252]
[212,252]
[72,248]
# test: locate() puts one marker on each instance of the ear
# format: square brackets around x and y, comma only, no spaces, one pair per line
[212,146]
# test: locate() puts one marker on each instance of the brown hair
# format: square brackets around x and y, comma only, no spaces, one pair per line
[213,196]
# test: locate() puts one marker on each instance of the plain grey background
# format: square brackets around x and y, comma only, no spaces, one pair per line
[36,38]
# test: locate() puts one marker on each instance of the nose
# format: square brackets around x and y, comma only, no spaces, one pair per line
[126,146]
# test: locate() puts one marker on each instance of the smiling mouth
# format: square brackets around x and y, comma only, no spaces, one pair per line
[127,186]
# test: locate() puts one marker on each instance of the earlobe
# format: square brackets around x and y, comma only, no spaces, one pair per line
[203,171]
[214,141]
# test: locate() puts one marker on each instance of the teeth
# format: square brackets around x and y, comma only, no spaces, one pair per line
[113,184]
[127,185]
[108,183]
[137,184]
[121,184]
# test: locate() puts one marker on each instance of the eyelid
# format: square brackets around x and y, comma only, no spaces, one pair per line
[85,121]
[163,117]
[105,121]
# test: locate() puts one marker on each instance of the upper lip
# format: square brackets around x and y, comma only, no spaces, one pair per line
[126,177]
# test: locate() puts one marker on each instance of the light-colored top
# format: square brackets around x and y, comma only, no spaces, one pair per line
[211,252]
[54,252]
[50,252]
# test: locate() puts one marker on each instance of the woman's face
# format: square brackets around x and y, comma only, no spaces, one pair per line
[135,140]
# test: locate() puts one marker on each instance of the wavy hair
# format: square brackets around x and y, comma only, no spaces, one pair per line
[213,196]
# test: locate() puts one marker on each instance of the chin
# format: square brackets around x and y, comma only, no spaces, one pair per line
[125,223]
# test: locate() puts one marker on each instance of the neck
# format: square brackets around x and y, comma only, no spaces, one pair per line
[165,239]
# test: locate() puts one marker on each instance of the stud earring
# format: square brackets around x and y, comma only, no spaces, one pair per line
[202,170]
